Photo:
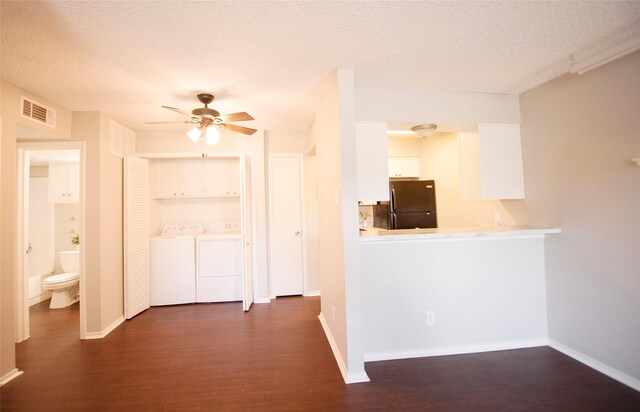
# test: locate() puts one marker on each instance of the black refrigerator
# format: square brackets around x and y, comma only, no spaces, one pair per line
[412,204]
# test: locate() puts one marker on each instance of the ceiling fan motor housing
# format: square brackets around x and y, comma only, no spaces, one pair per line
[205,112]
[205,98]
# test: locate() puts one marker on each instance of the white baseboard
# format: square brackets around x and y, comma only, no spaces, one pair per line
[41,298]
[597,365]
[262,300]
[104,332]
[453,350]
[348,377]
[8,377]
[312,293]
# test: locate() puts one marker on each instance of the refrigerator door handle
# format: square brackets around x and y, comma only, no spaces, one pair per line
[392,203]
[393,221]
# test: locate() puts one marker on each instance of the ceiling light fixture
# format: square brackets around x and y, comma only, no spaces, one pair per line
[194,134]
[212,135]
[424,130]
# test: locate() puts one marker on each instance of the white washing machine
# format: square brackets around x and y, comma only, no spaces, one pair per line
[172,278]
[219,265]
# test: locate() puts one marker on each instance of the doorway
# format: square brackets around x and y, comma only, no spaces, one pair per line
[50,225]
[286,223]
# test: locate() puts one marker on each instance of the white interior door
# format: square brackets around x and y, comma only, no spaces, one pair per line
[247,229]
[286,224]
[136,236]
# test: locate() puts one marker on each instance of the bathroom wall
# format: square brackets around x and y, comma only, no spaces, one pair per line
[67,224]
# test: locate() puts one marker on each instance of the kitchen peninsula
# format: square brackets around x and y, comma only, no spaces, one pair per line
[442,291]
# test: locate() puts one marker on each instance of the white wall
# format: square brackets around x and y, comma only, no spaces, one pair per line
[333,131]
[10,109]
[66,221]
[579,133]
[421,106]
[493,298]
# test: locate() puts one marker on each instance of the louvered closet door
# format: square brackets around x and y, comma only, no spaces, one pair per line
[136,236]
[247,233]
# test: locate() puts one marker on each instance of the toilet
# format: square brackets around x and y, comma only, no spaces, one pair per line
[65,286]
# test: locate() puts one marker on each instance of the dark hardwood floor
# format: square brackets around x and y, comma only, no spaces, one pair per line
[276,358]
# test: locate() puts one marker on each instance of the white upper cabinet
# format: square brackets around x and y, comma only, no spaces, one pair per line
[371,159]
[221,177]
[191,178]
[404,167]
[168,179]
[64,183]
[491,163]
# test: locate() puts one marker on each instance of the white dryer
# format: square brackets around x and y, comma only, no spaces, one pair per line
[219,267]
[172,264]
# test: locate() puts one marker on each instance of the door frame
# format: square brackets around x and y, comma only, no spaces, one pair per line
[303,219]
[21,290]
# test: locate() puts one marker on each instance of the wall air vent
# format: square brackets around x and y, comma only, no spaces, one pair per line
[38,112]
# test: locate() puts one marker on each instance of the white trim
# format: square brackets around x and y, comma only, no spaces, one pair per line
[346,376]
[8,377]
[22,311]
[453,350]
[334,348]
[40,298]
[303,217]
[312,293]
[608,49]
[186,155]
[104,332]
[261,300]
[597,365]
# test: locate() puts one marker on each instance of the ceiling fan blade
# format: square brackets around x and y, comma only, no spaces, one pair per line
[236,117]
[239,129]
[179,111]
[184,121]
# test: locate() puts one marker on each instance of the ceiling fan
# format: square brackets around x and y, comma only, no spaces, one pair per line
[209,121]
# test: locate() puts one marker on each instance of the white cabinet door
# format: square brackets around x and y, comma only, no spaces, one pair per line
[167,178]
[136,236]
[73,183]
[191,178]
[233,180]
[214,177]
[57,183]
[246,213]
[222,177]
[404,167]
[64,183]
[491,163]
[372,165]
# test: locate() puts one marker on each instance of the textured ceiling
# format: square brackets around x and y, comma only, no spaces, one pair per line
[273,58]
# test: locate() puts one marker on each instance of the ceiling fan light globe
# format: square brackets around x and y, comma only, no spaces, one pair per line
[212,135]
[194,134]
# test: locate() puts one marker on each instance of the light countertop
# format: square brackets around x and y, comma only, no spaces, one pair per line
[450,233]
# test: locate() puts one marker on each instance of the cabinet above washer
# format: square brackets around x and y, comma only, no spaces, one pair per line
[197,178]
